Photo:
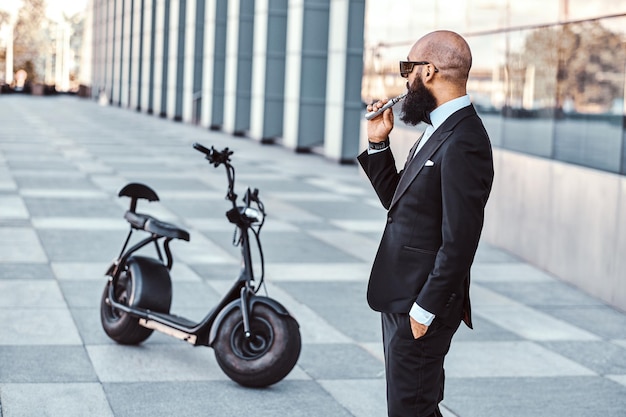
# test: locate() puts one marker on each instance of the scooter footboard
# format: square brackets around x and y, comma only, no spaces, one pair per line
[152,285]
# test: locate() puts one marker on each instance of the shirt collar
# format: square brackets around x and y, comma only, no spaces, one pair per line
[441,113]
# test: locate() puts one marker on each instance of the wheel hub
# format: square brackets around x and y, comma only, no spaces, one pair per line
[257,344]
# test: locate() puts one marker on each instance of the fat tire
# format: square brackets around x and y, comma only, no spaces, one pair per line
[118,325]
[276,352]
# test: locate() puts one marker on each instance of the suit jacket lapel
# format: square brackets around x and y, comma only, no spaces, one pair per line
[417,163]
[414,166]
[409,157]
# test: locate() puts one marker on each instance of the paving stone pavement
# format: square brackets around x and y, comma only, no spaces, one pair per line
[540,347]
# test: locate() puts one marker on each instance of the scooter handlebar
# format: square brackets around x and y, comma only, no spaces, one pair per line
[202,149]
[214,156]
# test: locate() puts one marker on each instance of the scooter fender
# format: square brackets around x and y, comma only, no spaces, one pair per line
[235,304]
[152,285]
[111,269]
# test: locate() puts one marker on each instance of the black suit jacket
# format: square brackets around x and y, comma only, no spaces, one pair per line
[435,217]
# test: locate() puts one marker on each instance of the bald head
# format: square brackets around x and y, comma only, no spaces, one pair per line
[446,50]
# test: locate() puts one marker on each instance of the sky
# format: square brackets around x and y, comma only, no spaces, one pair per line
[55,7]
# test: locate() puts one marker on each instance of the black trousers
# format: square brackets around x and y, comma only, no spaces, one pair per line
[414,368]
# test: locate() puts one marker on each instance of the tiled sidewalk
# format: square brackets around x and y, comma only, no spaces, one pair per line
[539,348]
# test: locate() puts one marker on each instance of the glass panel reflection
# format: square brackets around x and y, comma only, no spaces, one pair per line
[591,96]
[554,90]
[530,87]
[486,83]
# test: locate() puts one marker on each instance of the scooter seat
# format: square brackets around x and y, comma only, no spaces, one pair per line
[150,224]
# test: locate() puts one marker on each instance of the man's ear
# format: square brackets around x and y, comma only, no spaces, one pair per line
[425,70]
[426,77]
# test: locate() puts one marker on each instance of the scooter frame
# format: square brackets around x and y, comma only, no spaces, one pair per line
[242,293]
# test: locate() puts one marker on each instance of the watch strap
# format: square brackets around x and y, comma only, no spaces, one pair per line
[379,145]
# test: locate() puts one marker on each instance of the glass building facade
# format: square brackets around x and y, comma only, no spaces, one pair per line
[548,81]
[286,71]
[548,77]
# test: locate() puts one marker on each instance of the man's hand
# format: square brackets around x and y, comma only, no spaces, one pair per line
[379,127]
[418,329]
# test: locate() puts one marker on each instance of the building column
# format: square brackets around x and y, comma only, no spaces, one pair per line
[173,54]
[109,58]
[123,53]
[62,57]
[147,56]
[208,62]
[268,70]
[238,76]
[118,45]
[85,79]
[159,52]
[194,17]
[143,24]
[136,42]
[212,113]
[126,51]
[98,45]
[343,88]
[305,74]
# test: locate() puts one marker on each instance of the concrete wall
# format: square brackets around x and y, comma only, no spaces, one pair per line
[563,218]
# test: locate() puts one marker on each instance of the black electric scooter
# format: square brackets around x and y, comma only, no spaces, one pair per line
[255,339]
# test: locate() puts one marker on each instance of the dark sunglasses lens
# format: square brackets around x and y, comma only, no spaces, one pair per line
[406,67]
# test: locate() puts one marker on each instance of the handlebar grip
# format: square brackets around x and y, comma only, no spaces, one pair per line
[201,148]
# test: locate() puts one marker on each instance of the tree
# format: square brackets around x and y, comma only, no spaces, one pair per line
[581,63]
[30,41]
[591,67]
[5,18]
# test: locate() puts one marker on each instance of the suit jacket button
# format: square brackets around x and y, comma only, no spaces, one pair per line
[389,219]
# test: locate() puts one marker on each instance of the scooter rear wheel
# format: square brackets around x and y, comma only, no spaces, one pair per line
[118,325]
[264,358]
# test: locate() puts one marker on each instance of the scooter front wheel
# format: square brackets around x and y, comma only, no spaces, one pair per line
[267,355]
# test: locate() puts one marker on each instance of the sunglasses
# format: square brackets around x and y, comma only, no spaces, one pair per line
[406,67]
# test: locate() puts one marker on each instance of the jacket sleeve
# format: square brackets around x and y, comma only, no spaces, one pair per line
[380,168]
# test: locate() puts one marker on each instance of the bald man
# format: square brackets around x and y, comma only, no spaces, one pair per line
[421,273]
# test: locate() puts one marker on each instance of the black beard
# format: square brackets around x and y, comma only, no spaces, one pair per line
[417,104]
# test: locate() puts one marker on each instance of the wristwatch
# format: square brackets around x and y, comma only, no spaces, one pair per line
[379,145]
